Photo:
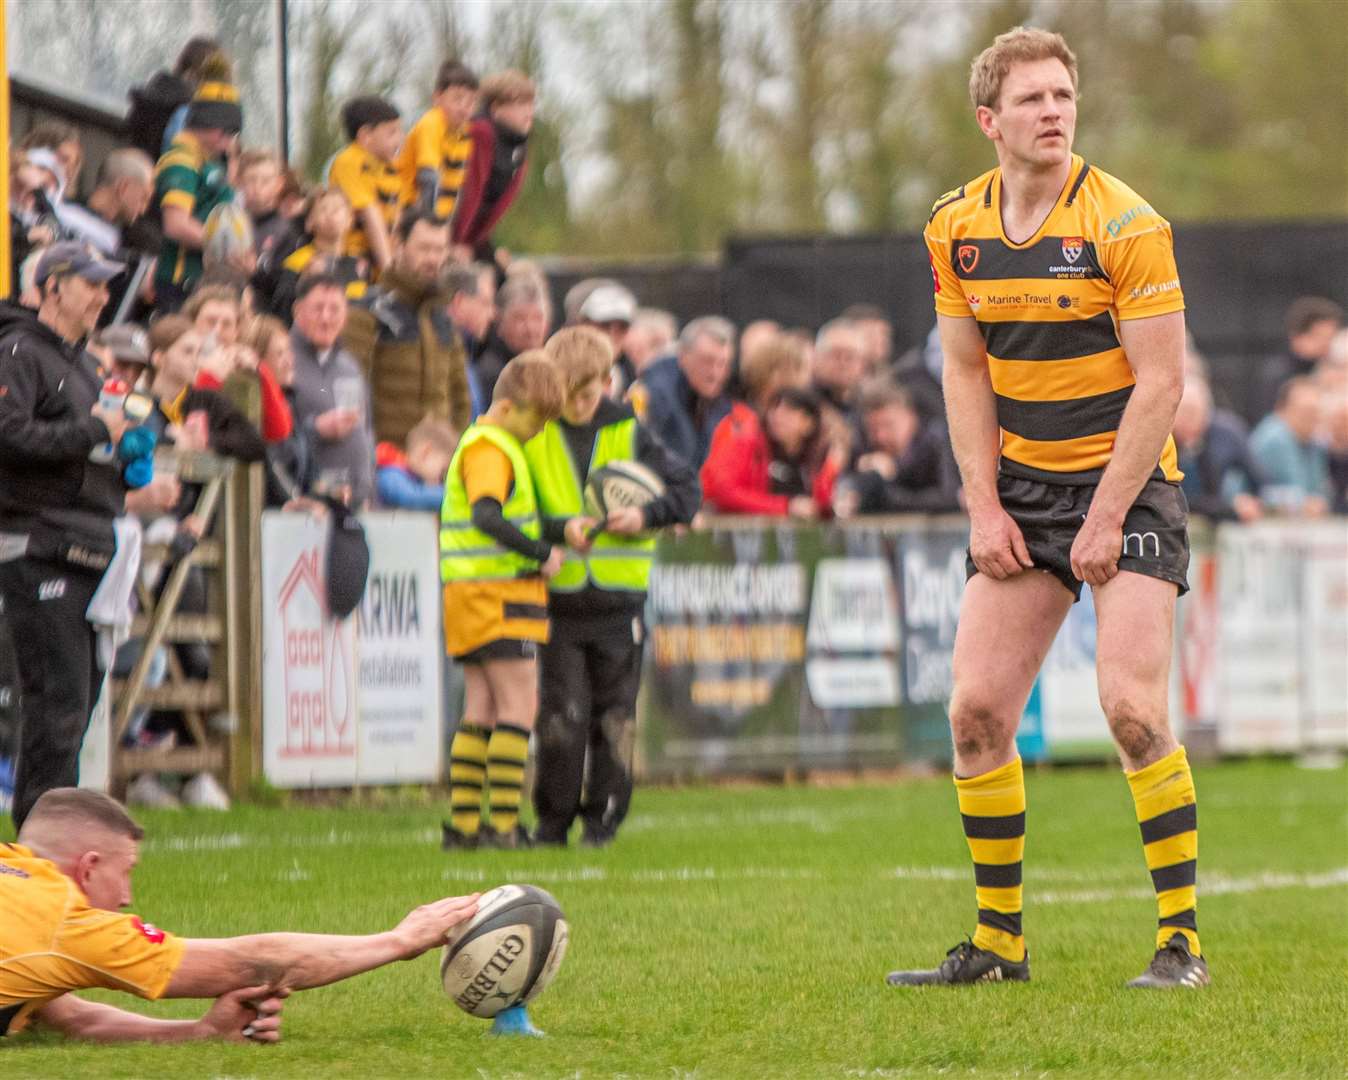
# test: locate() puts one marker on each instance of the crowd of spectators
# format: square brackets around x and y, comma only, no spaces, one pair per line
[344,334]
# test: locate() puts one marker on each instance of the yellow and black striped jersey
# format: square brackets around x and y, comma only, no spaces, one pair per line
[1049,312]
[432,144]
[366,180]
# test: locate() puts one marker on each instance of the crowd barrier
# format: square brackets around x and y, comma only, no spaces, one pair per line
[777,647]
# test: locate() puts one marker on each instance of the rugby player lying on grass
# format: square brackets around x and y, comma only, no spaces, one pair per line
[61,886]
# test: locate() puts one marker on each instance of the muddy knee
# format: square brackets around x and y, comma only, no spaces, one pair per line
[1140,737]
[979,727]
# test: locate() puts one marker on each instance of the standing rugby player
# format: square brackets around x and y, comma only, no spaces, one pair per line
[1062,324]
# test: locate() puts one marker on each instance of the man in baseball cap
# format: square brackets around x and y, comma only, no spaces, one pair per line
[610,309]
[57,505]
[75,311]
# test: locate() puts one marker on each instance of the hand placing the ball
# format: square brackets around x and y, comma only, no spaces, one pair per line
[429,925]
[626,521]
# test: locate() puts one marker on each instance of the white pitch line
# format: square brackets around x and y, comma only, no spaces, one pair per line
[1214,884]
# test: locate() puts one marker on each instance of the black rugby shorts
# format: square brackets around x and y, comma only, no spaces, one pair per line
[1155,529]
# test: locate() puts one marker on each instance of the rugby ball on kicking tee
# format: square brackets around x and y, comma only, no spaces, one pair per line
[508,952]
[619,484]
[228,232]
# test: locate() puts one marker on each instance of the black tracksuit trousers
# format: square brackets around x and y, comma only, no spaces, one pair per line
[55,651]
[590,672]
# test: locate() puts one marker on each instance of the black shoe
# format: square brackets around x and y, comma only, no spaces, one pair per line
[515,839]
[965,963]
[592,839]
[1174,967]
[453,840]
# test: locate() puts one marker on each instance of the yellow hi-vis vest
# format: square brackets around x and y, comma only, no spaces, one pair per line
[467,553]
[615,562]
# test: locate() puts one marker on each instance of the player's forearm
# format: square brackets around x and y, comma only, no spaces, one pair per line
[1145,426]
[975,436]
[301,961]
[94,1022]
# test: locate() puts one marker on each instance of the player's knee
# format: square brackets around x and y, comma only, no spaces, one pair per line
[979,726]
[1137,731]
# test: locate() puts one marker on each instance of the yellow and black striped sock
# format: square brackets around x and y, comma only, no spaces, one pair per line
[992,807]
[467,770]
[1167,811]
[506,756]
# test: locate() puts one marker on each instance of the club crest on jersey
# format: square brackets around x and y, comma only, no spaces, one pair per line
[148,931]
[968,257]
[1072,247]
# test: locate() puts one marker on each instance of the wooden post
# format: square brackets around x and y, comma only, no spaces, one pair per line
[243,607]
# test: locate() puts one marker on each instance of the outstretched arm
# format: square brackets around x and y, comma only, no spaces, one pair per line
[247,1014]
[215,966]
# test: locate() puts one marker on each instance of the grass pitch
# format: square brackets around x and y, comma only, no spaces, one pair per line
[746,933]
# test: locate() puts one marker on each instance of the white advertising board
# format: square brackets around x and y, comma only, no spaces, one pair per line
[357,701]
[1258,667]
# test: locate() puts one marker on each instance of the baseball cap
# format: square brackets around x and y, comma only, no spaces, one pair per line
[128,343]
[609,303]
[72,257]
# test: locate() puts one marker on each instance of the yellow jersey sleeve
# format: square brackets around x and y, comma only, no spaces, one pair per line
[356,183]
[486,472]
[425,140]
[1140,262]
[119,952]
[946,290]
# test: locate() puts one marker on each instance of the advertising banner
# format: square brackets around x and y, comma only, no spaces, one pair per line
[773,646]
[357,701]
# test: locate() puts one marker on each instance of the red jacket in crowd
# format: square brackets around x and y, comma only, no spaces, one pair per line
[277,422]
[736,477]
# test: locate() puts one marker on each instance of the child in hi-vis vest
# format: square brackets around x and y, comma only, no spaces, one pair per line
[494,564]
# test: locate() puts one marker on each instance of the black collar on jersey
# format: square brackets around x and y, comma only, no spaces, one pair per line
[1071,193]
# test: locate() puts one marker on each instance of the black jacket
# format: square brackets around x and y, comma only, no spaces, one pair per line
[492,357]
[152,107]
[682,497]
[49,489]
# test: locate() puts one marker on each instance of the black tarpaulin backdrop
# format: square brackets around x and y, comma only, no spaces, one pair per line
[1238,281]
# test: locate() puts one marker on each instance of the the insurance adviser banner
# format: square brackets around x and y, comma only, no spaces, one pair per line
[772,646]
[358,701]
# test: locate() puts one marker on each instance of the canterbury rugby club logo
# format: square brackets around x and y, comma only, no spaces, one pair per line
[1072,247]
[968,257]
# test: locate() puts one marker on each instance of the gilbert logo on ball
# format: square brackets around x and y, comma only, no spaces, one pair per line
[619,484]
[507,954]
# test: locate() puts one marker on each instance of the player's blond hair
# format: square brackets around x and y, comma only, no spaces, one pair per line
[1020,45]
[532,381]
[582,354]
